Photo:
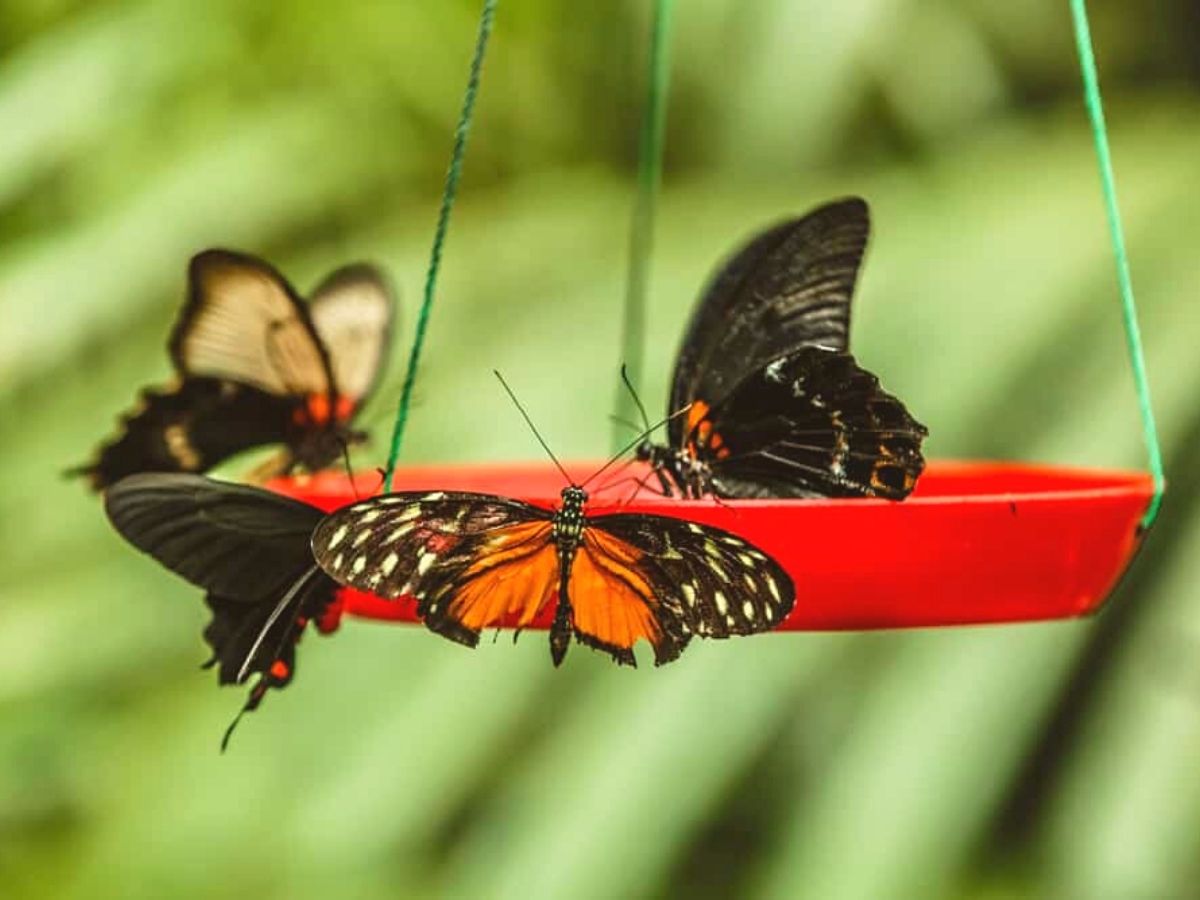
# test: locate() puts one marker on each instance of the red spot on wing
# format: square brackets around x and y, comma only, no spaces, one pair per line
[316,409]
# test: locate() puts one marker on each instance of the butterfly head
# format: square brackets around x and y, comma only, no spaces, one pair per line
[655,454]
[316,449]
[574,497]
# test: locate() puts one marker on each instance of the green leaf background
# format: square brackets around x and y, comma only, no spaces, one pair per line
[1052,760]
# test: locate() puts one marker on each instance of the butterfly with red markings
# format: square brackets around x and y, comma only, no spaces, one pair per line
[777,406]
[257,365]
[248,549]
[476,561]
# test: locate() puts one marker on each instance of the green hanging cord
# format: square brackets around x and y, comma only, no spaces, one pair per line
[449,192]
[1133,338]
[641,232]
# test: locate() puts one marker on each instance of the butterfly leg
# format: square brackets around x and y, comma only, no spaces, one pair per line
[663,482]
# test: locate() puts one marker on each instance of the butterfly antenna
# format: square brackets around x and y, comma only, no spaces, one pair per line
[345,445]
[637,401]
[641,437]
[532,427]
[615,477]
[621,420]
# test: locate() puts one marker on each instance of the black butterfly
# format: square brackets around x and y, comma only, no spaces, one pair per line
[249,550]
[777,407]
[474,561]
[257,365]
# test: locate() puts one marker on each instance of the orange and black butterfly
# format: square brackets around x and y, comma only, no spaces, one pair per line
[474,561]
[248,549]
[257,365]
[777,406]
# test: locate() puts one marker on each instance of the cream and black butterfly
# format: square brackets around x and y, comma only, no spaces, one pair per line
[257,365]
[474,561]
[777,406]
[248,549]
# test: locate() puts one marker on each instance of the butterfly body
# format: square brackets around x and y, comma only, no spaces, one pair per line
[257,365]
[776,405]
[567,533]
[477,561]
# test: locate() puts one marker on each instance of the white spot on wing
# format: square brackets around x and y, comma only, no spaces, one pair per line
[388,566]
[772,586]
[359,565]
[369,516]
[361,537]
[337,562]
[689,593]
[748,610]
[338,536]
[722,603]
[426,560]
[436,495]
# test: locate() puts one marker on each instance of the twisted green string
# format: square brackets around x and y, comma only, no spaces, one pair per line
[449,192]
[1133,338]
[641,232]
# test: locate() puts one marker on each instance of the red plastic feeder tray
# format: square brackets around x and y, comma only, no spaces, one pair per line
[976,542]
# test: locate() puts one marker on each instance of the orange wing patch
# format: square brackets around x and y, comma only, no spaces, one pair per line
[701,433]
[612,602]
[512,579]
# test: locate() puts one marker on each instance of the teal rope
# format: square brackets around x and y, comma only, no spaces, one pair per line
[1133,338]
[641,232]
[449,192]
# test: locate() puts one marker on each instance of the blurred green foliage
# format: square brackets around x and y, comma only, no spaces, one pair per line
[1044,760]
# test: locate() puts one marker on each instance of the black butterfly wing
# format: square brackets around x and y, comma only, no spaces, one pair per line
[249,549]
[471,560]
[705,581]
[234,540]
[352,311]
[191,428]
[789,287]
[810,424]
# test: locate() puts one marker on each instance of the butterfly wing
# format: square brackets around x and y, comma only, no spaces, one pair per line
[472,561]
[352,311]
[810,424]
[789,287]
[190,428]
[244,322]
[668,579]
[249,549]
